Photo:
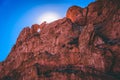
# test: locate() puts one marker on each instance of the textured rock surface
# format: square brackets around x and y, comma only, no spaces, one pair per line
[85,45]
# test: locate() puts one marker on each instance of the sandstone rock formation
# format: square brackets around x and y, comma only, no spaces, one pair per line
[77,15]
[85,45]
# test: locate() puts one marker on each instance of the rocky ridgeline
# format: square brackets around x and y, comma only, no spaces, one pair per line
[85,45]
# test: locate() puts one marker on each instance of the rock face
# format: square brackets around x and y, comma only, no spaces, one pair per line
[85,45]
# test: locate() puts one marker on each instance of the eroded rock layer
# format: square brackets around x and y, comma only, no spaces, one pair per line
[85,45]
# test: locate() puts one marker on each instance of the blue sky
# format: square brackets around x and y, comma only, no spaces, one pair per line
[17,14]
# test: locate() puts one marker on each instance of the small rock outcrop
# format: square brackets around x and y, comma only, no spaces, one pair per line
[77,16]
[85,45]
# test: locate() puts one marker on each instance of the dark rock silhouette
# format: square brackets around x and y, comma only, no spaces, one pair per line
[85,45]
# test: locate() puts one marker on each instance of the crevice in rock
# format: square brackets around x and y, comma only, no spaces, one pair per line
[63,45]
[86,17]
[37,66]
[6,78]
[107,40]
[74,41]
[92,37]
[113,61]
[72,69]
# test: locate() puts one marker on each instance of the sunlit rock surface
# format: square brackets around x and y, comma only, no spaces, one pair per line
[85,45]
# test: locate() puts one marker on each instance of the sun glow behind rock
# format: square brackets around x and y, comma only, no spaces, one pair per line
[49,17]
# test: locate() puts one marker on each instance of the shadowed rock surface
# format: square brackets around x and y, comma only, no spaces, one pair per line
[85,45]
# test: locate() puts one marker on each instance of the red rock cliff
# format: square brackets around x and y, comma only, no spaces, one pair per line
[85,45]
